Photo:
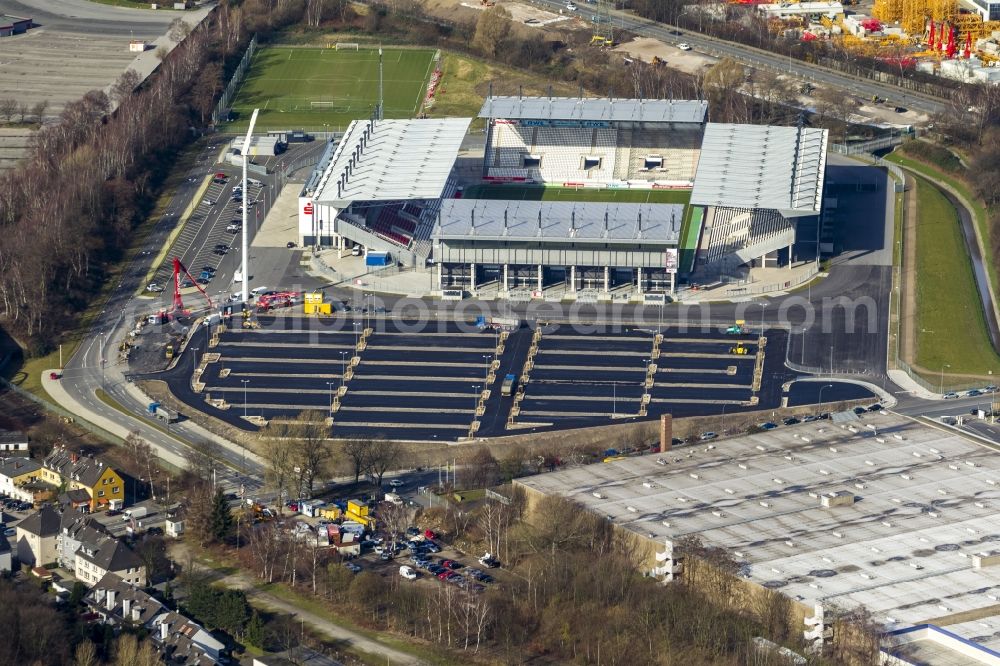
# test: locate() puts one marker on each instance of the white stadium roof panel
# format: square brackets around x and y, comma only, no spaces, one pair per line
[389,160]
[581,222]
[760,166]
[593,109]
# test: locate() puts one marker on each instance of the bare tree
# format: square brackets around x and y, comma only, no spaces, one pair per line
[8,108]
[385,456]
[312,453]
[358,453]
[492,29]
[125,85]
[178,30]
[278,453]
[38,110]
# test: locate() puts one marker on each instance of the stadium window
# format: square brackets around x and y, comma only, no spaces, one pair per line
[531,161]
[591,162]
[653,162]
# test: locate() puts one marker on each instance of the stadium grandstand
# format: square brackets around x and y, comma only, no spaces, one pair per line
[381,185]
[580,198]
[757,188]
[584,142]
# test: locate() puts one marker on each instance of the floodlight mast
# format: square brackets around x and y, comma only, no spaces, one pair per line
[244,292]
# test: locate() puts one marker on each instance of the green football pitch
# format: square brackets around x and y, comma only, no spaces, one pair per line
[537,193]
[316,88]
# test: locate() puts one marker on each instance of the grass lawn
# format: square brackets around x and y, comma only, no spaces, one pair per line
[309,88]
[950,326]
[979,212]
[538,193]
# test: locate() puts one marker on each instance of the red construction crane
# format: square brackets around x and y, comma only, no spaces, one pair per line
[178,304]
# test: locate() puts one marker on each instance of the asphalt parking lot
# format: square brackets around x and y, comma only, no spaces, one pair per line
[410,383]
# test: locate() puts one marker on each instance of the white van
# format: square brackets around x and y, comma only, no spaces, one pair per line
[257,291]
[255,182]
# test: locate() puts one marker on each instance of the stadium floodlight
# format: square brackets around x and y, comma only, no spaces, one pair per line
[244,293]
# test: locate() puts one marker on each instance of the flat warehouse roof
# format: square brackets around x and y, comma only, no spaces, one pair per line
[588,222]
[925,504]
[595,109]
[387,160]
[760,166]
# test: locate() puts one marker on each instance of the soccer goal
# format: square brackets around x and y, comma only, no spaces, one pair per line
[320,105]
[346,46]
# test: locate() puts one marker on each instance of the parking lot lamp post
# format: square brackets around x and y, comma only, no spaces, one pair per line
[343,367]
[941,383]
[821,395]
[329,385]
[489,360]
[357,335]
[475,401]
[763,306]
[195,350]
[614,399]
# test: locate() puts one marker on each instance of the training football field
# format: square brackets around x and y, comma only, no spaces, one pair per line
[325,88]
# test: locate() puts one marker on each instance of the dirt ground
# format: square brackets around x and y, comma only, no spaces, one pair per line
[644,48]
[520,12]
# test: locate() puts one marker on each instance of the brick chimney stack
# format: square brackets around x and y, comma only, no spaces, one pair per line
[666,432]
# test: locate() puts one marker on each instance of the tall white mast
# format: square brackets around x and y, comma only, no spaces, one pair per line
[244,293]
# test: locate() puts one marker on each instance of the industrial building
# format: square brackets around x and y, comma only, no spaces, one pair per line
[879,511]
[14,25]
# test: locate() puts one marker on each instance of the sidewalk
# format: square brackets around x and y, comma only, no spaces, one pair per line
[905,382]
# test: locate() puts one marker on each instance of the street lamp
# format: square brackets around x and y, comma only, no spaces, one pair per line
[821,395]
[488,358]
[244,446]
[614,399]
[329,385]
[195,350]
[763,306]
[343,367]
[475,399]
[941,386]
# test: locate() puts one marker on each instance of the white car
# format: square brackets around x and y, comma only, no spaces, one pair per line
[395,483]
[407,572]
[570,7]
[684,47]
[152,286]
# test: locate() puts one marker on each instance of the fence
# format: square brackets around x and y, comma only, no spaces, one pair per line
[870,146]
[945,385]
[234,82]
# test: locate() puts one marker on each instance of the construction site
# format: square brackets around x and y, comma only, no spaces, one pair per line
[957,39]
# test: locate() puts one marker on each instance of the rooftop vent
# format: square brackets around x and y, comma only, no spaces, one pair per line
[838,498]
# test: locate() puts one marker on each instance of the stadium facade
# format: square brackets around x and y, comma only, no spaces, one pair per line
[392,186]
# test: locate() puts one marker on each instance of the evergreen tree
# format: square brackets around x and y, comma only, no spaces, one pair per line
[254,632]
[221,522]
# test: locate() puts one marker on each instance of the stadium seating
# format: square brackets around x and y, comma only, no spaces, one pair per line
[746,232]
[617,154]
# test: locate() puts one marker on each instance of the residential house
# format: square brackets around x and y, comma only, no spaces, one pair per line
[75,529]
[174,523]
[6,556]
[183,641]
[180,640]
[68,470]
[17,475]
[117,603]
[13,442]
[36,537]
[94,560]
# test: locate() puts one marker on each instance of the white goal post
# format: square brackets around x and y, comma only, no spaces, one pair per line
[320,104]
[346,46]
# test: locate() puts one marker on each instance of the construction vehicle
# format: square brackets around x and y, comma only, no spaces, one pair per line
[508,385]
[739,350]
[281,299]
[736,329]
[170,349]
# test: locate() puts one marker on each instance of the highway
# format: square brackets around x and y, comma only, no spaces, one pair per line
[863,88]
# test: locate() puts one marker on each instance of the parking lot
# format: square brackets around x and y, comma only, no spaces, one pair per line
[211,233]
[378,376]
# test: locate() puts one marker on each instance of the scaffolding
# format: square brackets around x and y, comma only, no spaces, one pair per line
[913,15]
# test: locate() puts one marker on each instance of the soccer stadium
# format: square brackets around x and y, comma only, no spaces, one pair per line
[581,198]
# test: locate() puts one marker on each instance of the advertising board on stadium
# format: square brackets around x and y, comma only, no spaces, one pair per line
[564,123]
[670,260]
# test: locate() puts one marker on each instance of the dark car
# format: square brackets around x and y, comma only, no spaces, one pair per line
[768,426]
[435,568]
[875,408]
[860,410]
[221,246]
[791,420]
[208,269]
[451,564]
[484,578]
[112,512]
[220,251]
[412,531]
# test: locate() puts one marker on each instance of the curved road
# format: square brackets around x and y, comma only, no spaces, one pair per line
[82,16]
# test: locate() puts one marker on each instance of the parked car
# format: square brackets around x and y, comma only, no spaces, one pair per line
[395,483]
[706,436]
[768,426]
[443,574]
[352,567]
[791,420]
[290,244]
[208,202]
[949,395]
[430,534]
[412,531]
[875,408]
[407,572]
[684,46]
[154,287]
[974,393]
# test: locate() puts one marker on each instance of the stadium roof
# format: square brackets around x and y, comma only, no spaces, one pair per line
[388,160]
[583,108]
[579,222]
[759,166]
[924,506]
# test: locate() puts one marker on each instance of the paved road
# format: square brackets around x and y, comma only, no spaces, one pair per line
[92,18]
[83,374]
[863,88]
